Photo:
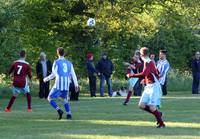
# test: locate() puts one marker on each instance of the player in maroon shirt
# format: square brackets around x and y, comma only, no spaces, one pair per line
[19,70]
[151,96]
[133,67]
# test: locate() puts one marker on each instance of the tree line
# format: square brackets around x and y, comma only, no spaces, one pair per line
[122,26]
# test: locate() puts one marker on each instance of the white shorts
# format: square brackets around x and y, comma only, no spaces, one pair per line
[132,82]
[151,95]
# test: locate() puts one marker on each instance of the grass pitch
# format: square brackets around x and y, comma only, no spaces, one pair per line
[102,118]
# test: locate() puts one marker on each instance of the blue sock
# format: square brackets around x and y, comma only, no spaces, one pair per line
[54,105]
[67,108]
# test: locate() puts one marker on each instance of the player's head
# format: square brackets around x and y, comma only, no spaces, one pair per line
[90,56]
[136,57]
[197,55]
[137,52]
[144,52]
[152,56]
[42,56]
[22,54]
[104,55]
[60,51]
[162,54]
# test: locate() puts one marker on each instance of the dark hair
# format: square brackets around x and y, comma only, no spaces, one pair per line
[163,51]
[22,53]
[144,51]
[61,51]
[137,52]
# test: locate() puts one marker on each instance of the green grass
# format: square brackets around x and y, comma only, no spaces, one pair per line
[102,118]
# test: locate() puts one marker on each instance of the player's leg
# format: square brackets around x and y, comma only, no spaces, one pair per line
[46,89]
[66,104]
[41,88]
[164,88]
[144,101]
[130,92]
[93,86]
[152,110]
[195,84]
[158,116]
[102,79]
[26,90]
[131,82]
[109,84]
[153,103]
[16,91]
[54,93]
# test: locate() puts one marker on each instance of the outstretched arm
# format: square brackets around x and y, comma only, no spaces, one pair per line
[53,73]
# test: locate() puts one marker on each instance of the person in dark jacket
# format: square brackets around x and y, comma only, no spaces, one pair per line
[91,74]
[43,69]
[196,73]
[105,69]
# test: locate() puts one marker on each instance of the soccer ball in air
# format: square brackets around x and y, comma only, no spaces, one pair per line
[91,22]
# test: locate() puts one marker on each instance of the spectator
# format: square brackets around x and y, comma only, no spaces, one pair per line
[73,93]
[196,72]
[105,69]
[43,69]
[91,74]
[163,68]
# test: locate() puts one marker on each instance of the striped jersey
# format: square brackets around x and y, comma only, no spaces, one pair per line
[63,72]
[163,68]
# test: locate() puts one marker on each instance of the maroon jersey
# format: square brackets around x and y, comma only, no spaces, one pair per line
[136,64]
[20,69]
[149,68]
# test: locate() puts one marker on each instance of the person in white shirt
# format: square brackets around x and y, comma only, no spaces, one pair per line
[163,67]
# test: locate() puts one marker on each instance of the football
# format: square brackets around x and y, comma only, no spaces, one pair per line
[91,22]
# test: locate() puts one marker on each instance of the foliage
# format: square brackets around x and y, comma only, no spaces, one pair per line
[121,28]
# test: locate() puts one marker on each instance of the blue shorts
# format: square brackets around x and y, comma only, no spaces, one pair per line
[132,82]
[54,93]
[151,95]
[18,90]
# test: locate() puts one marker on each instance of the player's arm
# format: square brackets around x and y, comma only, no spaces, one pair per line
[144,73]
[53,73]
[74,78]
[29,72]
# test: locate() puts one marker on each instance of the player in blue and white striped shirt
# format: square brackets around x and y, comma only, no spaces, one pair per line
[62,70]
[163,68]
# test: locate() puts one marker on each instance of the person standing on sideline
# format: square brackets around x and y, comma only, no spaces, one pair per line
[62,70]
[196,73]
[91,74]
[163,68]
[20,70]
[43,69]
[152,93]
[105,69]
